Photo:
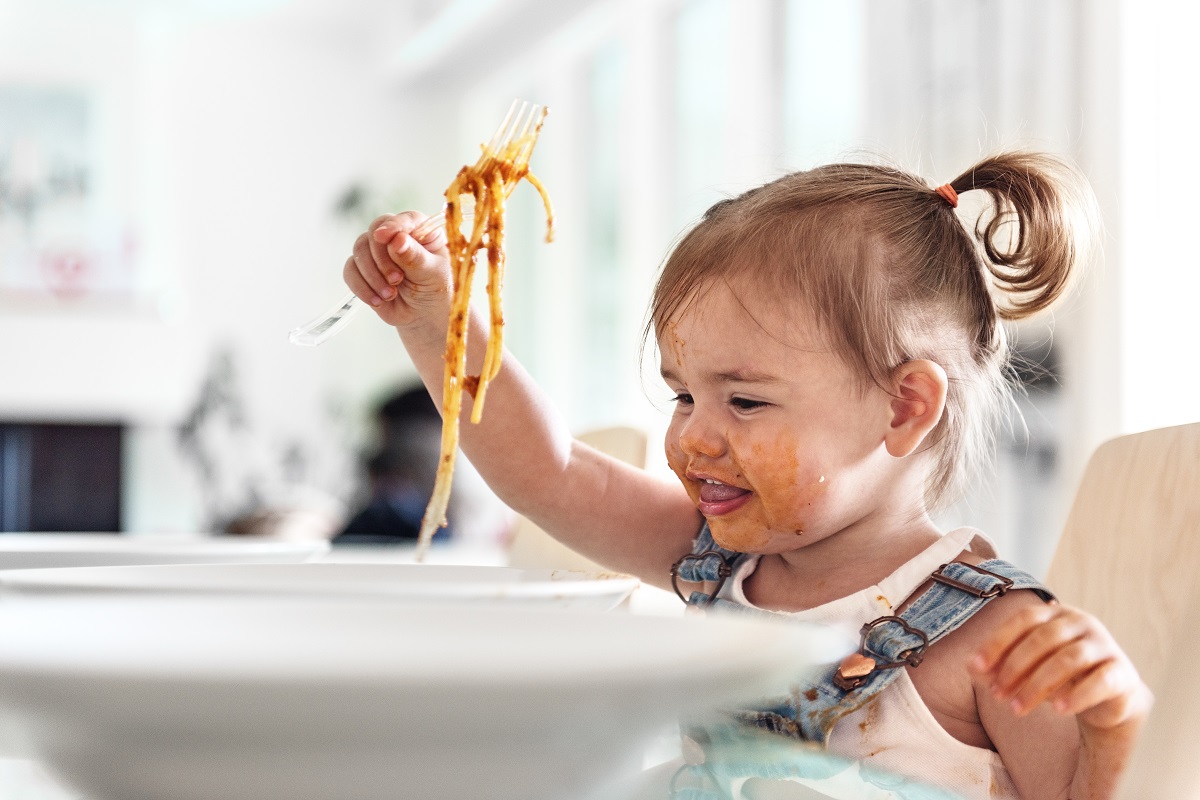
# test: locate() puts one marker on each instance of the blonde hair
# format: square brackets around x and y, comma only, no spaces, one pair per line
[892,274]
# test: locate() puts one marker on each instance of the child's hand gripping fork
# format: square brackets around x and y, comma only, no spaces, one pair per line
[520,120]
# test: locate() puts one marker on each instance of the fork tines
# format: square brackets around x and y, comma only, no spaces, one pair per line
[521,118]
[514,110]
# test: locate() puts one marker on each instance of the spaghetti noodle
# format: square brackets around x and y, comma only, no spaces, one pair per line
[487,183]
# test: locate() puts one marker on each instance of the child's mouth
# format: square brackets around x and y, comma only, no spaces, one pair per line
[720,498]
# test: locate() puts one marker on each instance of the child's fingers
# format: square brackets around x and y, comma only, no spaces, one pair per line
[385,231]
[1089,691]
[1033,648]
[1009,633]
[1108,696]
[433,240]
[390,269]
[358,285]
[386,227]
[1056,674]
[1060,655]
[419,265]
[367,265]
[400,253]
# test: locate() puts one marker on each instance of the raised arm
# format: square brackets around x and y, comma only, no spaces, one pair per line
[609,511]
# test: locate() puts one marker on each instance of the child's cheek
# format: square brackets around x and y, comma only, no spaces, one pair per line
[787,493]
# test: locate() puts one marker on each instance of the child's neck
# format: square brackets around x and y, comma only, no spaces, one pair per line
[838,565]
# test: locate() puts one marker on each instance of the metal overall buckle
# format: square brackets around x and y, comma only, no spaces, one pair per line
[857,667]
[997,590]
[723,573]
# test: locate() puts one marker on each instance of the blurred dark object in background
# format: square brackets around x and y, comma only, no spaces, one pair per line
[401,470]
[60,477]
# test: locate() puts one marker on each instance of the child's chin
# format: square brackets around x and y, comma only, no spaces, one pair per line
[739,541]
[757,542]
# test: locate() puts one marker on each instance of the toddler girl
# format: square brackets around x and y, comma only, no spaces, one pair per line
[835,346]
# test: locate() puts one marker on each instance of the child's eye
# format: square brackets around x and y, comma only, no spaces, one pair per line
[745,404]
[683,399]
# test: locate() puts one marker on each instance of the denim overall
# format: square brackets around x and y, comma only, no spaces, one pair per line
[889,643]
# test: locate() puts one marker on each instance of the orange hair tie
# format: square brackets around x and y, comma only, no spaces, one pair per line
[947,191]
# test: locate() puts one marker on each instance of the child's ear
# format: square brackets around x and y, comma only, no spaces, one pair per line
[918,400]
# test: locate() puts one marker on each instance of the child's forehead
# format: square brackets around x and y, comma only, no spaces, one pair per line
[742,299]
[739,313]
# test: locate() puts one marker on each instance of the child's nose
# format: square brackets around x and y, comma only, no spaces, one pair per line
[699,436]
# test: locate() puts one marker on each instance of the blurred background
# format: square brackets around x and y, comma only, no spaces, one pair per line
[182,180]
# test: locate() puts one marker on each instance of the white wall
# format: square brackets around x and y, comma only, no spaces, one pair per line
[79,358]
[1160,275]
[225,140]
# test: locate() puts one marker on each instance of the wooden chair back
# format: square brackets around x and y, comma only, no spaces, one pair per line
[1164,765]
[1130,550]
[1130,554]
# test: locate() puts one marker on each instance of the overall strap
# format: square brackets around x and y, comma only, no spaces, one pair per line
[889,644]
[958,591]
[707,563]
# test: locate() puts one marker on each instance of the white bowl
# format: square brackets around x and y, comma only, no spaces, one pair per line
[476,554]
[191,698]
[48,550]
[412,582]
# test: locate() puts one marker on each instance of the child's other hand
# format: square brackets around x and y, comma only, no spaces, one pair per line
[402,277]
[1059,655]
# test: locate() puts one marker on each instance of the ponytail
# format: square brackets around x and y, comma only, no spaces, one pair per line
[1054,214]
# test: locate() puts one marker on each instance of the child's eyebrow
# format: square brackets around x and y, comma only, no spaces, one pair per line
[731,376]
[745,376]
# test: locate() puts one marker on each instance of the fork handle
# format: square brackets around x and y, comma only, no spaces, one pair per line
[333,322]
[327,325]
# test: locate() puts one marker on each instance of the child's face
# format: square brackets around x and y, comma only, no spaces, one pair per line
[772,437]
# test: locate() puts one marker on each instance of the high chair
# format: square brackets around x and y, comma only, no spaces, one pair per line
[533,548]
[1164,765]
[1130,550]
[1130,555]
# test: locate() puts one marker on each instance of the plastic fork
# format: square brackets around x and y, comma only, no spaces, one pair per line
[521,120]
